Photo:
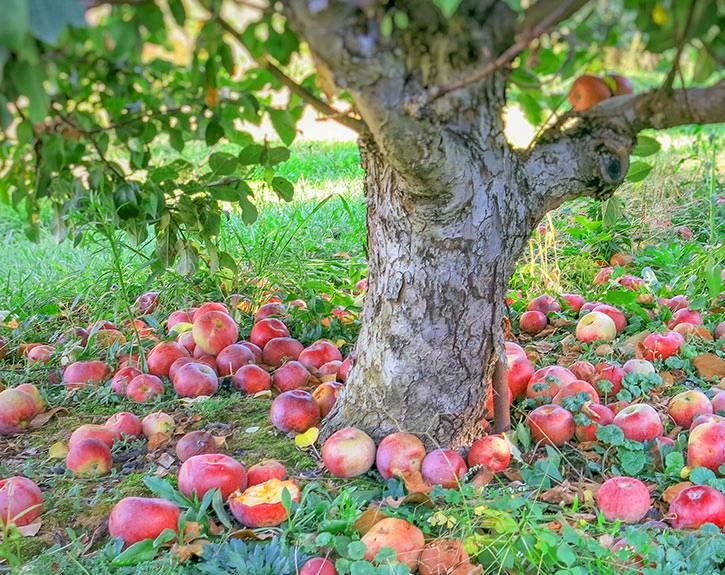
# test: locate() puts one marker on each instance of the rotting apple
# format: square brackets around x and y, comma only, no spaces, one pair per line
[399,454]
[261,505]
[697,505]
[397,534]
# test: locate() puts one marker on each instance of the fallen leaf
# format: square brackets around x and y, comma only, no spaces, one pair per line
[220,440]
[185,552]
[192,530]
[414,498]
[367,519]
[258,535]
[253,429]
[166,460]
[30,530]
[157,440]
[414,482]
[308,438]
[482,478]
[669,494]
[58,450]
[265,393]
[41,419]
[708,366]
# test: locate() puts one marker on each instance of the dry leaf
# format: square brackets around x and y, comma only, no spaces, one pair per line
[708,366]
[482,478]
[157,440]
[192,530]
[265,393]
[254,535]
[220,440]
[41,419]
[30,530]
[58,450]
[673,491]
[166,460]
[414,482]
[414,498]
[185,552]
[367,519]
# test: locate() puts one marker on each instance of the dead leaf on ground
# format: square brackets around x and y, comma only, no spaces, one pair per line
[709,365]
[41,419]
[367,519]
[482,478]
[414,482]
[30,530]
[413,498]
[157,440]
[166,460]
[221,440]
[259,535]
[673,491]
[185,552]
[58,450]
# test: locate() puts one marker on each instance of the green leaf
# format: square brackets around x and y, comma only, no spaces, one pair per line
[176,140]
[702,476]
[283,125]
[646,146]
[214,132]
[638,171]
[448,7]
[136,553]
[14,23]
[361,568]
[252,154]
[223,164]
[178,11]
[283,187]
[166,536]
[24,133]
[48,18]
[187,262]
[612,212]
[356,550]
[610,435]
[29,81]
[565,554]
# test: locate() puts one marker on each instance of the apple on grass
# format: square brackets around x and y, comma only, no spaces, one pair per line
[575,388]
[519,372]
[124,423]
[102,433]
[195,379]
[207,307]
[661,345]
[271,309]
[545,304]
[200,473]
[252,379]
[318,566]
[292,375]
[595,326]
[163,355]
[261,505]
[89,458]
[600,415]
[144,388]
[492,452]
[35,394]
[83,373]
[157,515]
[213,331]
[697,505]
[639,366]
[706,446]
[620,321]
[348,452]
[319,353]
[624,499]
[157,422]
[121,379]
[687,405]
[639,422]
[573,301]
[267,329]
[231,358]
[281,349]
[445,556]
[264,471]
[325,395]
[397,534]
[21,501]
[444,467]
[295,411]
[195,443]
[551,424]
[533,322]
[399,454]
[17,409]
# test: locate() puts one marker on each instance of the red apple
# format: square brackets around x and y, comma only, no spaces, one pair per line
[318,354]
[595,326]
[693,330]
[177,317]
[40,354]
[329,370]
[533,322]
[620,85]
[318,566]
[144,388]
[207,307]
[684,232]
[620,322]
[122,378]
[295,410]
[518,374]
[158,515]
[195,443]
[264,471]
[620,260]
[255,349]
[163,355]
[444,467]
[551,424]
[83,373]
[685,316]
[104,434]
[261,505]
[639,422]
[718,401]
[267,329]
[89,458]
[694,506]
[348,452]
[200,473]
[214,330]
[574,301]
[272,309]
[17,409]
[187,340]
[661,345]
[124,423]
[575,388]
[603,276]
[195,379]
[345,367]
[544,303]
[546,382]
[281,349]
[292,375]
[624,499]
[639,366]
[685,406]
[399,454]
[607,372]
[325,395]
[587,91]
[146,303]
[397,534]
[491,451]
[157,422]
[232,357]
[711,418]
[600,415]
[34,393]
[706,446]
[178,364]
[720,330]
[252,379]
[21,501]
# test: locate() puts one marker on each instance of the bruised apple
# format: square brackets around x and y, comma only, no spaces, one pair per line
[399,454]
[157,514]
[252,379]
[445,557]
[200,473]
[325,395]
[661,345]
[624,499]
[295,410]
[261,505]
[195,443]
[444,467]
[348,452]
[402,537]
[21,501]
[264,471]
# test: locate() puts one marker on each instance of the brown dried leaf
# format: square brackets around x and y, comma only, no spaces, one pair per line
[41,419]
[367,519]
[253,535]
[673,491]
[157,440]
[221,440]
[30,530]
[165,460]
[708,366]
[414,498]
[482,478]
[414,482]
[185,552]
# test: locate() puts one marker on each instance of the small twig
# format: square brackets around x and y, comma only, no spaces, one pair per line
[670,80]
[523,42]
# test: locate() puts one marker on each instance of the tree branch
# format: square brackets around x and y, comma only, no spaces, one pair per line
[682,40]
[303,93]
[537,12]
[590,157]
[560,11]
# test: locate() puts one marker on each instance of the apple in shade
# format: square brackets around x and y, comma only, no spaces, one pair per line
[281,349]
[318,566]
[687,405]
[444,467]
[102,433]
[292,375]
[700,331]
[187,340]
[40,354]
[144,387]
[255,349]
[518,373]
[639,422]
[295,410]
[575,388]
[491,451]
[261,505]
[21,501]
[349,452]
[89,458]
[157,422]
[157,514]
[207,360]
[177,317]
[613,374]
[624,499]
[397,534]
[599,415]
[706,446]
[710,418]
[195,443]
[124,423]
[267,329]
[544,303]
[121,379]
[231,358]
[595,326]
[329,370]
[34,393]
[163,355]
[178,364]
[620,321]
[214,330]
[207,307]
[325,395]
[720,330]
[272,309]
[551,424]
[661,345]
[252,379]
[603,276]
[399,454]
[195,379]
[264,471]
[533,322]
[573,301]
[546,382]
[83,373]
[685,315]
[718,401]
[200,473]
[146,303]
[694,506]
[345,367]
[319,353]
[17,409]
[638,366]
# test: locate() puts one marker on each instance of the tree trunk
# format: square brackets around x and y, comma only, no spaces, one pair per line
[433,312]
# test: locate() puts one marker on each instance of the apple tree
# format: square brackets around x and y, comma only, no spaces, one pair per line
[97,105]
